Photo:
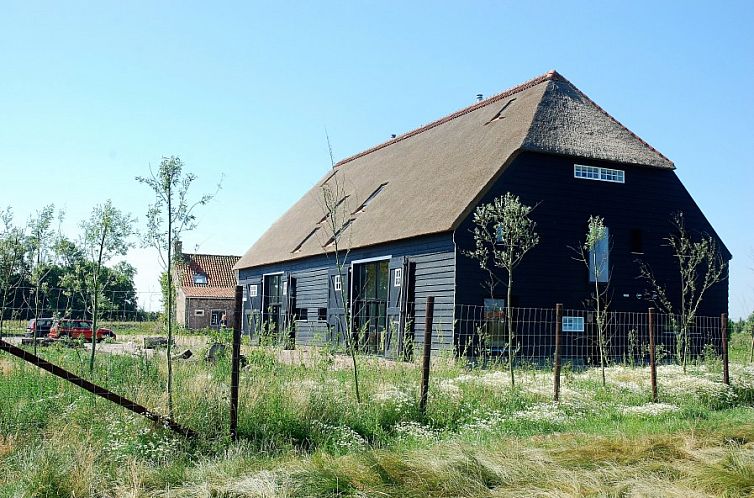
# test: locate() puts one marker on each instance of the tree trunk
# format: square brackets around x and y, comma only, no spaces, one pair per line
[95,300]
[169,308]
[600,332]
[509,317]
[348,335]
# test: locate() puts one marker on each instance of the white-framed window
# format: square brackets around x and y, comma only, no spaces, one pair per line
[253,292]
[215,318]
[398,277]
[337,283]
[198,312]
[599,259]
[573,324]
[598,173]
[200,279]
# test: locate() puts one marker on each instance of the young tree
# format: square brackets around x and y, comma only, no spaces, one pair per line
[700,266]
[105,235]
[171,215]
[335,207]
[11,262]
[504,231]
[40,240]
[594,254]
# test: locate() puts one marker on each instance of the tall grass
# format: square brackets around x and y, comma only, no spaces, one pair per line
[303,434]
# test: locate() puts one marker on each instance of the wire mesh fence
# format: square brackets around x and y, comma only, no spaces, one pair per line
[588,338]
[585,338]
[118,310]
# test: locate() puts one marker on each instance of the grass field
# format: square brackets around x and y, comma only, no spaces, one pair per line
[303,434]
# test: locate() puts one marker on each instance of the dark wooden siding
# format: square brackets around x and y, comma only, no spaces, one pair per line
[549,273]
[434,260]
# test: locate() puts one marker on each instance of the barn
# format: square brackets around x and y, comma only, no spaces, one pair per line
[409,204]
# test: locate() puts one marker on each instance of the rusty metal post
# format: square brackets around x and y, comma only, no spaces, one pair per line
[95,389]
[428,319]
[236,362]
[724,337]
[652,364]
[556,360]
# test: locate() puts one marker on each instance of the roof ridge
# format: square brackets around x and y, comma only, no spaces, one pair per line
[549,75]
[609,116]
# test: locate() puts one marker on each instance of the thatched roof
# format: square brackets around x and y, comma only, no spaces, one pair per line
[435,174]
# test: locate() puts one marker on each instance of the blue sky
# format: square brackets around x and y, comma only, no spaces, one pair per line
[92,93]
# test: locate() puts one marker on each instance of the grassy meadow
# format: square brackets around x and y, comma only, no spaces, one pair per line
[303,434]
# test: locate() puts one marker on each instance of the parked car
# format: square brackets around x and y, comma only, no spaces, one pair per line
[75,329]
[42,326]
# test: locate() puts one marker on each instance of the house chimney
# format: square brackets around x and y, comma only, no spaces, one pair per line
[392,135]
[178,248]
[479,97]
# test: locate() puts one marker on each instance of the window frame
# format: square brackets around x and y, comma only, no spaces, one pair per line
[571,323]
[599,173]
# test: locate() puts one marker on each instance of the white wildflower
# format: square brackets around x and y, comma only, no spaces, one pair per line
[649,409]
[414,430]
[542,412]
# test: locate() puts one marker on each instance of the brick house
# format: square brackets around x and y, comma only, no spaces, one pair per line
[205,289]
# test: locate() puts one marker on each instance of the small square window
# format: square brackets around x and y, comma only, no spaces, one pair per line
[573,324]
[337,283]
[322,314]
[198,312]
[253,291]
[398,277]
[200,279]
[302,314]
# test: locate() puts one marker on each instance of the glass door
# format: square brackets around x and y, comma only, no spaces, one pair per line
[370,292]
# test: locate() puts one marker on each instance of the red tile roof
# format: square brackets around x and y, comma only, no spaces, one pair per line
[221,279]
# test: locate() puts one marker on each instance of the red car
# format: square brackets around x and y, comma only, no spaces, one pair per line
[75,329]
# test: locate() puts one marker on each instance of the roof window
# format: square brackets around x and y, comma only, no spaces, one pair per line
[597,173]
[298,247]
[200,279]
[338,233]
[334,209]
[370,198]
[499,114]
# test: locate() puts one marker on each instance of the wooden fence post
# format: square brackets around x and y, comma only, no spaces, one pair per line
[428,319]
[652,364]
[236,362]
[556,360]
[724,337]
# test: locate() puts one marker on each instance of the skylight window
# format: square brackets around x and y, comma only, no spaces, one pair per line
[340,231]
[200,279]
[298,247]
[370,198]
[334,208]
[499,114]
[597,173]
